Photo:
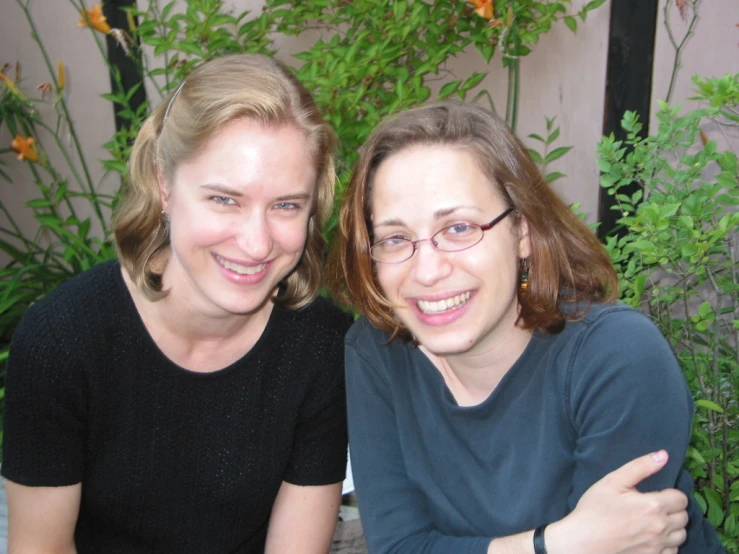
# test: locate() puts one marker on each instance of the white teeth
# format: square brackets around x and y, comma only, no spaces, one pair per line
[240,269]
[454,302]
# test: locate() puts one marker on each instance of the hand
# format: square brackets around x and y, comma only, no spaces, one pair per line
[612,517]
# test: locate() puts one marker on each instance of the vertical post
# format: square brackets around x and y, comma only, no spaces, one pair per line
[628,80]
[127,65]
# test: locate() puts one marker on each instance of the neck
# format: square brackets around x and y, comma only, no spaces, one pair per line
[195,339]
[473,376]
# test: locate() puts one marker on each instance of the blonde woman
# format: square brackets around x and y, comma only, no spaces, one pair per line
[189,397]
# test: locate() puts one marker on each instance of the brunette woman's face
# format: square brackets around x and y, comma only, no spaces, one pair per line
[452,302]
[239,214]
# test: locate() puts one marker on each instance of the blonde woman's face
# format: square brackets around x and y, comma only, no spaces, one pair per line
[239,215]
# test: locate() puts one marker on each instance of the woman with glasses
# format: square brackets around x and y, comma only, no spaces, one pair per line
[494,382]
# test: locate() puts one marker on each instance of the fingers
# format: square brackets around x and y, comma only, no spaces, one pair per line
[671,501]
[631,474]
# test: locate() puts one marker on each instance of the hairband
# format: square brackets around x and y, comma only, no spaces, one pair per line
[171,101]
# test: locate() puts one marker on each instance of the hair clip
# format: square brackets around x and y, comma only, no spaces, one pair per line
[171,101]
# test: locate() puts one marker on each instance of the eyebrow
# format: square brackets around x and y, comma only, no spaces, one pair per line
[438,214]
[238,194]
[223,189]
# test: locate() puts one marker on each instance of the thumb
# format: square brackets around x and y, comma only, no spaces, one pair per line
[629,475]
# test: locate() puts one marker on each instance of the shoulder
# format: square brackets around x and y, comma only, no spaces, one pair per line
[74,303]
[616,327]
[319,318]
[366,339]
[367,347]
[619,350]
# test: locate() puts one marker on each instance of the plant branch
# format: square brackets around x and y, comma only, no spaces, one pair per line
[678,47]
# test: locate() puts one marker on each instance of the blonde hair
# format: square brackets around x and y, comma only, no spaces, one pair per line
[239,86]
[567,262]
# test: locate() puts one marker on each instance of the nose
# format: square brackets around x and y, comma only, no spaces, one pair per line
[429,264]
[254,237]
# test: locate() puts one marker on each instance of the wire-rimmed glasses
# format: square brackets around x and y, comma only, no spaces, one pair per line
[453,238]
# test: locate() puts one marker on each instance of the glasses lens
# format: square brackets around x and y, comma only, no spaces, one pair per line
[392,250]
[457,237]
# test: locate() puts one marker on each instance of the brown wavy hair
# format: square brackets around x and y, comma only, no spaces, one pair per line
[567,265]
[239,86]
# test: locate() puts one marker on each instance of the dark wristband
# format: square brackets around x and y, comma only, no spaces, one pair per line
[539,546]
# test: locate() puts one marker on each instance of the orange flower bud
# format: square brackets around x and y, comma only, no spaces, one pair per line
[25,147]
[61,75]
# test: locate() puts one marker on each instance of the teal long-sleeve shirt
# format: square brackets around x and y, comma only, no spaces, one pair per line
[434,477]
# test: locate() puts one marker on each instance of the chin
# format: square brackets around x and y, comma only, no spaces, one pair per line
[443,344]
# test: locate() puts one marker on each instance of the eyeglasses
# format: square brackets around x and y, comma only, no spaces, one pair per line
[460,236]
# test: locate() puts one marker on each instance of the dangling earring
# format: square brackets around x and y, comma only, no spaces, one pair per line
[523,269]
[163,222]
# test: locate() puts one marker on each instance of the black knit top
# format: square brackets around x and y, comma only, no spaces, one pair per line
[170,460]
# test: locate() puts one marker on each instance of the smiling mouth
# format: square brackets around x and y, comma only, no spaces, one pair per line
[238,268]
[446,305]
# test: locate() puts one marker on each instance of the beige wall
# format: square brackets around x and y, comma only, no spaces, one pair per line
[712,51]
[564,77]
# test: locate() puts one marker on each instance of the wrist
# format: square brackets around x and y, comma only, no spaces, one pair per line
[562,538]
[540,545]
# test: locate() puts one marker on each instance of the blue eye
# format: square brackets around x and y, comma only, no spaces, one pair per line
[459,229]
[393,243]
[223,200]
[287,206]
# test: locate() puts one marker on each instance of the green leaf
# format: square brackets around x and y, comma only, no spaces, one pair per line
[593,4]
[39,203]
[553,176]
[709,405]
[449,89]
[536,156]
[473,81]
[557,153]
[571,23]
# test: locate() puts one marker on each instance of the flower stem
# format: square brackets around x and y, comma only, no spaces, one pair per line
[68,117]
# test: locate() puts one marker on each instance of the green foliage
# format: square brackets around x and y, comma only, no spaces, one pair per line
[677,259]
[373,58]
[547,156]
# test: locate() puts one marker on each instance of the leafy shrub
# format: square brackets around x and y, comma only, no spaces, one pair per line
[676,254]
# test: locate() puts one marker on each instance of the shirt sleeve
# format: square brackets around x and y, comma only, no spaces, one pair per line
[392,508]
[628,397]
[45,405]
[319,451]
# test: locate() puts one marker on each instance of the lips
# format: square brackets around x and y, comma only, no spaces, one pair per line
[238,268]
[444,305]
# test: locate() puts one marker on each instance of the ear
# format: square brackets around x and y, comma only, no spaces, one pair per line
[163,191]
[524,240]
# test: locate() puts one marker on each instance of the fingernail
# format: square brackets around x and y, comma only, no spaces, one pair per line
[660,457]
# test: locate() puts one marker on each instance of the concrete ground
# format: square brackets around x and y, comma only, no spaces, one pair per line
[3,519]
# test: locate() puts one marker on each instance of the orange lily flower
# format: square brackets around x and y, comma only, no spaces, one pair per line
[25,148]
[484,8]
[96,19]
[44,88]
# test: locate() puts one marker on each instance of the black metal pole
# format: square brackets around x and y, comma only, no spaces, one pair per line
[628,80]
[126,63]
